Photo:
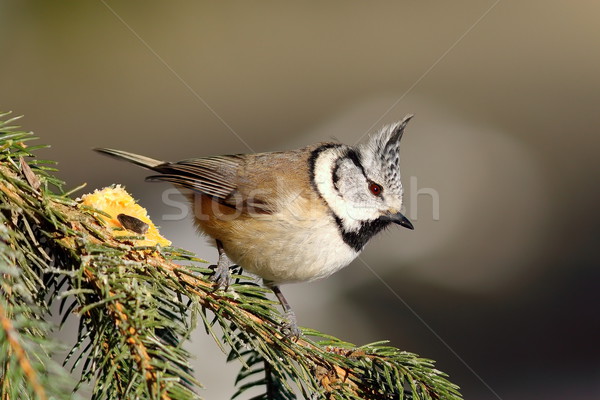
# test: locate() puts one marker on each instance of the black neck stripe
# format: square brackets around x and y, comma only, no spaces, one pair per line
[358,239]
[312,163]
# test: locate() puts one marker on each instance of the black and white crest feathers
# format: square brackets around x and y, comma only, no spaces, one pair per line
[382,153]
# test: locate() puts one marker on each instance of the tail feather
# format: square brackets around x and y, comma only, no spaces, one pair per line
[142,161]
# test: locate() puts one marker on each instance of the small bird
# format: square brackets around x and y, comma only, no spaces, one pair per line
[290,216]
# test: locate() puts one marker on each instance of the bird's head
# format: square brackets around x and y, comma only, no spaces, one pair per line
[362,185]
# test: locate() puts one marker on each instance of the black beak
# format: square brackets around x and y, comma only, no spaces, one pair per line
[399,219]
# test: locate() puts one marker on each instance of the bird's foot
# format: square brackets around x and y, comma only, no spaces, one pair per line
[289,326]
[221,276]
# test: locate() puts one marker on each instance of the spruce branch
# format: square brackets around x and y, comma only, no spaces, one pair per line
[137,305]
[26,367]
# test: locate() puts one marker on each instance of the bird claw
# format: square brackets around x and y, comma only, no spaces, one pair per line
[289,327]
[221,276]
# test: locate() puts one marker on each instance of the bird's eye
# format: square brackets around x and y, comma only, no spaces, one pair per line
[375,189]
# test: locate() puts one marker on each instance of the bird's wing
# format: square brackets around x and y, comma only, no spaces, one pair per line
[238,181]
[261,183]
[213,176]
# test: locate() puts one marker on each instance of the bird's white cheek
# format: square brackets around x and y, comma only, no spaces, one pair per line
[359,212]
[352,216]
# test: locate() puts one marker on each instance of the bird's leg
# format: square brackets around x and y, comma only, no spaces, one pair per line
[221,275]
[290,327]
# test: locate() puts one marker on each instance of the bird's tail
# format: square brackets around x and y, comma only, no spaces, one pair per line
[142,161]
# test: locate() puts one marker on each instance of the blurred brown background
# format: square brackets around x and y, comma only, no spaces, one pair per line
[499,281]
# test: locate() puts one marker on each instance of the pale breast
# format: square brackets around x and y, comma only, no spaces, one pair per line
[299,242]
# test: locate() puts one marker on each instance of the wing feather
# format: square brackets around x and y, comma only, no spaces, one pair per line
[213,176]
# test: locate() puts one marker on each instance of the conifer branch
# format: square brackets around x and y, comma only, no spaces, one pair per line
[26,369]
[137,305]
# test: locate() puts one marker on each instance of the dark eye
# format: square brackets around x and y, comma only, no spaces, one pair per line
[375,189]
